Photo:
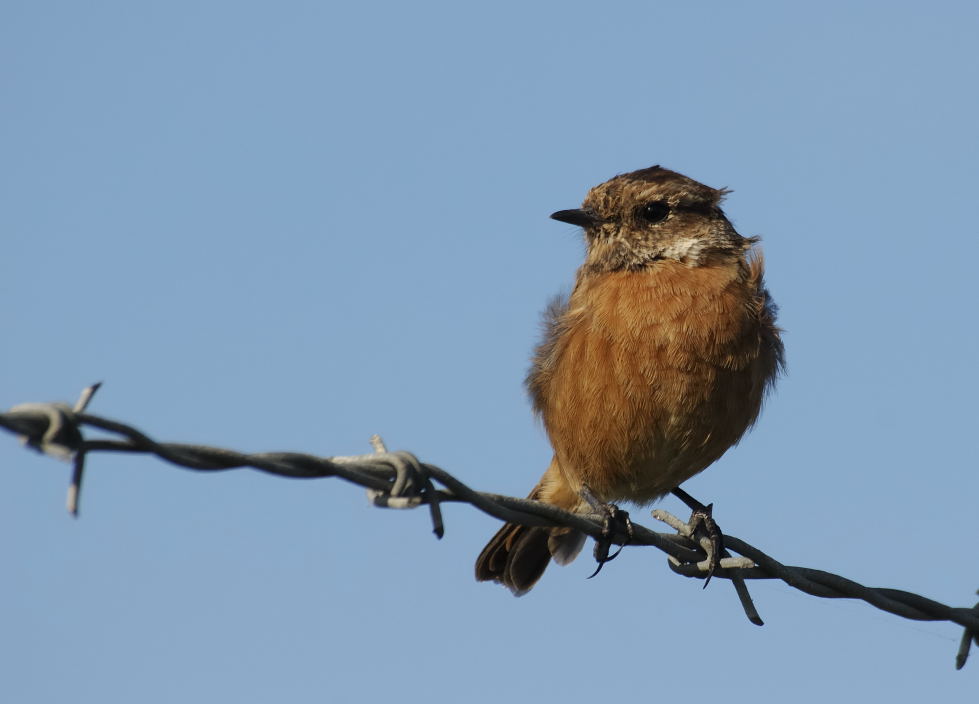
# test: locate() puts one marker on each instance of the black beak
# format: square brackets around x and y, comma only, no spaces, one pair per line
[583,217]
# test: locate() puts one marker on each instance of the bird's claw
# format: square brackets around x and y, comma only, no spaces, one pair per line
[616,522]
[703,525]
[703,530]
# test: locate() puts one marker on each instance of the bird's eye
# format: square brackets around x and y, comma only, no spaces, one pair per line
[654,211]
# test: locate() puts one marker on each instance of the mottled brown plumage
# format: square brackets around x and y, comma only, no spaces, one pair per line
[655,365]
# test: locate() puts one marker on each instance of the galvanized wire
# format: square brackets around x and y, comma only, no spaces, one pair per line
[400,480]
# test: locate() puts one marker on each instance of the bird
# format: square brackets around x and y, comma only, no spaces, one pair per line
[655,364]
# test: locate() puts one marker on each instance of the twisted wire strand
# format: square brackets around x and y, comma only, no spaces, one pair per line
[400,480]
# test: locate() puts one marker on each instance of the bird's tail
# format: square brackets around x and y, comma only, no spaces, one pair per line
[517,556]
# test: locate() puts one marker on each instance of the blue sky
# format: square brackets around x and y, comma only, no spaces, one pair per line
[288,226]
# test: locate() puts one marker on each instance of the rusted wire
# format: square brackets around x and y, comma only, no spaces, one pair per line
[400,480]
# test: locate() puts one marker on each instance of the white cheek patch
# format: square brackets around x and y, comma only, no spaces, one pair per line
[685,248]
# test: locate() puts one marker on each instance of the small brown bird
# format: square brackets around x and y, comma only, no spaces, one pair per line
[652,368]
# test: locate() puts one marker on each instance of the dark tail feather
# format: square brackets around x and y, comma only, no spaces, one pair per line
[516,557]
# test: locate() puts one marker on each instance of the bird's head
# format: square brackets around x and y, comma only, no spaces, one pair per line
[637,219]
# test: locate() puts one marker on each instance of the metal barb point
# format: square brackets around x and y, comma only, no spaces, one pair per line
[78,469]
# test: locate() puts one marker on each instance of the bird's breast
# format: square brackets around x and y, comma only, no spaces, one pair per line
[653,376]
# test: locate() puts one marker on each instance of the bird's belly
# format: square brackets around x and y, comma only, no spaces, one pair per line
[638,438]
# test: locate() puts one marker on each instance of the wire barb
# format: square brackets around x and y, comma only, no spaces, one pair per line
[400,480]
[411,487]
[968,636]
[78,469]
[708,567]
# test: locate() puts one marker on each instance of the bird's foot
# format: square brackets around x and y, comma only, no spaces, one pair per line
[702,525]
[701,528]
[616,523]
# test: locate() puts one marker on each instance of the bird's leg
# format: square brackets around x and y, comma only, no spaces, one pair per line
[616,522]
[702,520]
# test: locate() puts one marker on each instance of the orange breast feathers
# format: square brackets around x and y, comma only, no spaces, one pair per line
[647,377]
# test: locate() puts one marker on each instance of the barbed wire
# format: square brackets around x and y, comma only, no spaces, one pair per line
[400,480]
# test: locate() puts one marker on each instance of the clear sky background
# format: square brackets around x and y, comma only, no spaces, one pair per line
[290,225]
